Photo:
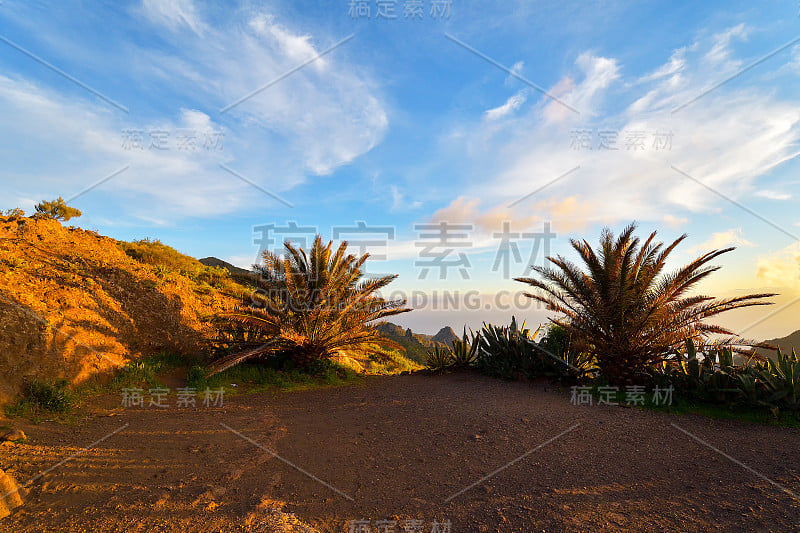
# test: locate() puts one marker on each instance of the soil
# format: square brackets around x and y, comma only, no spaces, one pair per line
[398,448]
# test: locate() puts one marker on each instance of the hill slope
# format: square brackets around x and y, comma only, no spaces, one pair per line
[787,343]
[219,263]
[74,304]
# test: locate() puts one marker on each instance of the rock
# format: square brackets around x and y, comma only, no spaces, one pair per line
[445,336]
[14,434]
[10,497]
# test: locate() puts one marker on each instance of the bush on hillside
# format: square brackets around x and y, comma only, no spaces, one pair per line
[57,209]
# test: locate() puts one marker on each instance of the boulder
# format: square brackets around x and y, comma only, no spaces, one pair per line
[10,497]
[14,434]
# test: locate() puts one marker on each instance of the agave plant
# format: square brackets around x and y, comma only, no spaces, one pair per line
[464,349]
[622,307]
[459,356]
[507,351]
[310,306]
[782,380]
[439,359]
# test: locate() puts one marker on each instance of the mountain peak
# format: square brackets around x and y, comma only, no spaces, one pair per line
[446,335]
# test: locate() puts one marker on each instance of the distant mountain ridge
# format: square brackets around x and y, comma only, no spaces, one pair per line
[416,344]
[216,262]
[787,343]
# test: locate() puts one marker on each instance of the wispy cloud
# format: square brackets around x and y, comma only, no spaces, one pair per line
[174,14]
[512,104]
[318,119]
[735,138]
[773,195]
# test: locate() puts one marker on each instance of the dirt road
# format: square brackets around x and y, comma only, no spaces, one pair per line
[404,448]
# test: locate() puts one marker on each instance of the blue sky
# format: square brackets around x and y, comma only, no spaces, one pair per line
[467,117]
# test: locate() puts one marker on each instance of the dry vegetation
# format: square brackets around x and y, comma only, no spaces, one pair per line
[75,305]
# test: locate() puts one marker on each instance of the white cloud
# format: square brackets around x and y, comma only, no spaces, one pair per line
[773,195]
[675,222]
[781,269]
[309,124]
[327,113]
[727,140]
[86,143]
[516,68]
[721,44]
[598,73]
[511,105]
[297,47]
[675,65]
[724,239]
[173,14]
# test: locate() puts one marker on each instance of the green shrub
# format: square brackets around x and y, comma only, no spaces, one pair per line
[145,371]
[508,352]
[460,356]
[512,352]
[14,213]
[39,397]
[717,380]
[57,210]
[781,381]
[166,260]
[196,377]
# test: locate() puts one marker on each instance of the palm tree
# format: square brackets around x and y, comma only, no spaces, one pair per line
[310,306]
[624,310]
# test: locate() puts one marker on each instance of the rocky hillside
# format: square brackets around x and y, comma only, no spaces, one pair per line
[74,304]
[416,344]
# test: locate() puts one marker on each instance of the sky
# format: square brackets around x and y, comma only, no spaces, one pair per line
[457,142]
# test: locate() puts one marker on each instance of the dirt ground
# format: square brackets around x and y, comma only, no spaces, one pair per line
[404,448]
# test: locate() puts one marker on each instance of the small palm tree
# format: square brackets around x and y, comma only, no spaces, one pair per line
[623,309]
[310,306]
